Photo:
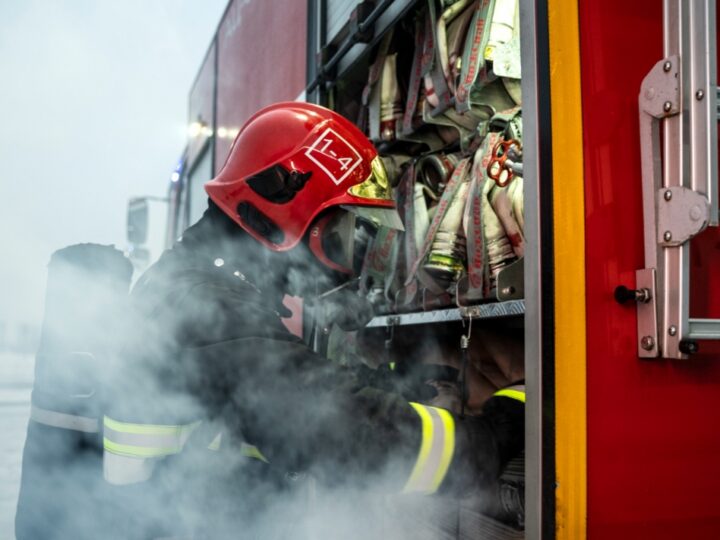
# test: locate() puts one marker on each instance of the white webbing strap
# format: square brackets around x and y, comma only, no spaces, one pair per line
[57,419]
[474,72]
[416,76]
[436,450]
[458,177]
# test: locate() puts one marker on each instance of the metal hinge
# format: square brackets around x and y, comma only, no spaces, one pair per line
[679,176]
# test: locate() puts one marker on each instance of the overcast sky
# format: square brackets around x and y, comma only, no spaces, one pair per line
[93,107]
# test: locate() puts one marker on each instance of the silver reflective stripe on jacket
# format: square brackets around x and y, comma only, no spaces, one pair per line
[57,419]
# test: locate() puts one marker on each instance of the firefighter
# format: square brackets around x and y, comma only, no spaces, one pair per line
[217,408]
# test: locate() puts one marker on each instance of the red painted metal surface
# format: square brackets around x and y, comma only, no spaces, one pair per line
[653,437]
[261,60]
[200,107]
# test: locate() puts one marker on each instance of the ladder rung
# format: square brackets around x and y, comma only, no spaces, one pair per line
[704,329]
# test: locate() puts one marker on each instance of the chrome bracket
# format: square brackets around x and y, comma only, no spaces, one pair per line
[659,98]
[679,176]
[682,214]
[660,90]
[647,315]
[511,282]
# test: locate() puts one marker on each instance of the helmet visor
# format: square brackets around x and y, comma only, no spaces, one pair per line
[376,187]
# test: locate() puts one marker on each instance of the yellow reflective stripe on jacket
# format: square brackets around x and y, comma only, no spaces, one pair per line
[248,450]
[514,392]
[215,443]
[145,440]
[436,449]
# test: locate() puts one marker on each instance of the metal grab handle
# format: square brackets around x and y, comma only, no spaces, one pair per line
[679,175]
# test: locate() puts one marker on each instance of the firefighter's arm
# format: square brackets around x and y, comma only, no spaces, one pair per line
[486,443]
[306,414]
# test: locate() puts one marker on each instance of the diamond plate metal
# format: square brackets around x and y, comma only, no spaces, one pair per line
[482,311]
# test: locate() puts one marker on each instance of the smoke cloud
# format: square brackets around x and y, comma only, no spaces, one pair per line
[93,108]
[92,116]
[199,493]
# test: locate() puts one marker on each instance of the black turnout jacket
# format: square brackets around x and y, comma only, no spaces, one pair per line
[208,346]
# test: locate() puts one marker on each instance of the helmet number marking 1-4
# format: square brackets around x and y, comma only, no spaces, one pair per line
[334,155]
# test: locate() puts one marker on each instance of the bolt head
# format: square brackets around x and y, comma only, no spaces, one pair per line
[667,236]
[667,106]
[647,343]
[672,330]
[699,94]
[668,195]
[667,66]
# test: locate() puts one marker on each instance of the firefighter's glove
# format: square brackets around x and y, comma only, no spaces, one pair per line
[412,383]
[486,443]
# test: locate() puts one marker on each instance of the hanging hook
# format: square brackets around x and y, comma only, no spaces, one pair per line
[389,337]
[464,359]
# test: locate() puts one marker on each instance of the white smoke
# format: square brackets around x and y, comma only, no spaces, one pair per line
[93,108]
[94,96]
[221,494]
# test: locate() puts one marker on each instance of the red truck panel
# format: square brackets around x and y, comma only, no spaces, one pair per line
[201,104]
[262,51]
[653,438]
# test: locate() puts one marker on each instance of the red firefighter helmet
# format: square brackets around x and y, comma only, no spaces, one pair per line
[290,162]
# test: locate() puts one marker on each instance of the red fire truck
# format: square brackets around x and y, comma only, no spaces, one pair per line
[614,300]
